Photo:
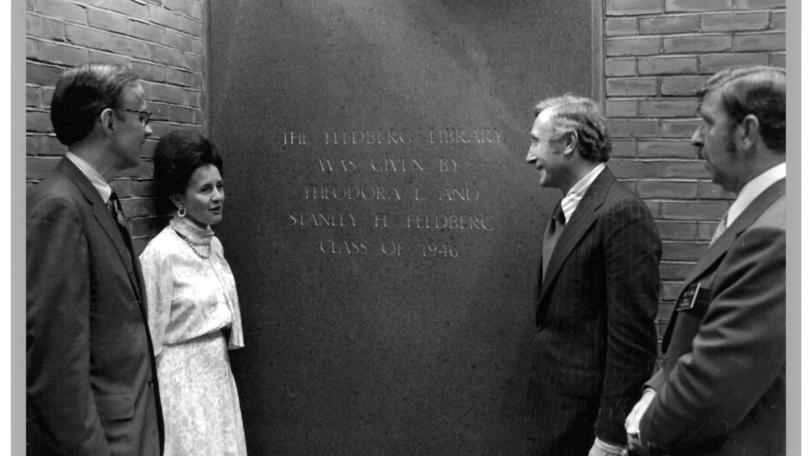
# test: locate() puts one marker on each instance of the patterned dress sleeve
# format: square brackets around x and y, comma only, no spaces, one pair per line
[158,279]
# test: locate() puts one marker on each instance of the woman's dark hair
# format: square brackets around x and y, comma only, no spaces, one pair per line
[81,94]
[177,155]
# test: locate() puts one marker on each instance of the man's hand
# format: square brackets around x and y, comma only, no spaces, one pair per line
[631,424]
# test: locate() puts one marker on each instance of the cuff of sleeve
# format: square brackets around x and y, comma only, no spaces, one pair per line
[608,448]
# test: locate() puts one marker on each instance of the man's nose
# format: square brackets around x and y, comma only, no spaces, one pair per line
[697,140]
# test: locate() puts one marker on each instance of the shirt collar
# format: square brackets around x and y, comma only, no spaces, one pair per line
[754,188]
[571,200]
[102,187]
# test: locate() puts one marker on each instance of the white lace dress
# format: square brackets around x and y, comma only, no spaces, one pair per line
[191,299]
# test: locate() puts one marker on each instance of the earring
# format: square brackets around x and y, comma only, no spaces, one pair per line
[181,212]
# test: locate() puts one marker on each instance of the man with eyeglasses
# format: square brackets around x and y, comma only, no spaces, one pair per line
[91,382]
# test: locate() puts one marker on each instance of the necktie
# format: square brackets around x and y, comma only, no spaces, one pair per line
[554,230]
[114,204]
[721,227]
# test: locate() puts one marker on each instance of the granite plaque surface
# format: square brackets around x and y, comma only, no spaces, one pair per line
[381,222]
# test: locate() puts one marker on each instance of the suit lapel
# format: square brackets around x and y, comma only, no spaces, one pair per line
[104,218]
[575,229]
[721,245]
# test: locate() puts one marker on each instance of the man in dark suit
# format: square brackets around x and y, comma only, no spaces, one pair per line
[722,387]
[91,385]
[598,295]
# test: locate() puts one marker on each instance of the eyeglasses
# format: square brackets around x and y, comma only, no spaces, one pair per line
[143,116]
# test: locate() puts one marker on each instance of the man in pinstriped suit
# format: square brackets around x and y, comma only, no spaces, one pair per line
[598,289]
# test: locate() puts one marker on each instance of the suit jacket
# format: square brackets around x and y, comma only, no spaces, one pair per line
[91,383]
[596,342]
[722,388]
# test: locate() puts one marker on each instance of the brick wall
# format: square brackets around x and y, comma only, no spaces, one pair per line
[163,40]
[657,53]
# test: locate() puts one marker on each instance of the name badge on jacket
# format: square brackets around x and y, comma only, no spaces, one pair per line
[693,295]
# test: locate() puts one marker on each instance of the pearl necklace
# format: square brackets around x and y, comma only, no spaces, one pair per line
[194,246]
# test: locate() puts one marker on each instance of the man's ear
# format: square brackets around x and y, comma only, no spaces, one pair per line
[747,133]
[107,121]
[569,142]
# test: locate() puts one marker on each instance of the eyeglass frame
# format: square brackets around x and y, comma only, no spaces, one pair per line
[145,121]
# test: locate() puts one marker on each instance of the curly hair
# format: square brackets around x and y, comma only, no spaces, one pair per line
[177,155]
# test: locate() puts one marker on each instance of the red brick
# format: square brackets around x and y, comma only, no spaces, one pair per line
[46,145]
[44,27]
[679,6]
[778,59]
[635,169]
[88,37]
[667,65]
[733,22]
[197,46]
[621,108]
[669,292]
[150,71]
[67,11]
[144,188]
[180,77]
[38,121]
[33,97]
[675,230]
[146,226]
[706,229]
[32,49]
[681,85]
[620,66]
[685,170]
[654,206]
[38,167]
[670,24]
[678,128]
[675,270]
[778,20]
[108,57]
[122,187]
[194,98]
[633,46]
[133,48]
[693,210]
[176,40]
[126,7]
[682,251]
[623,148]
[665,149]
[62,54]
[142,171]
[106,20]
[710,190]
[635,128]
[138,207]
[631,86]
[193,62]
[42,74]
[621,26]
[696,43]
[666,189]
[164,17]
[668,107]
[712,63]
[145,31]
[164,93]
[166,55]
[771,41]
[628,7]
[758,4]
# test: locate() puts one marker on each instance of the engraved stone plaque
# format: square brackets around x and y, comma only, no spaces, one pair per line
[381,222]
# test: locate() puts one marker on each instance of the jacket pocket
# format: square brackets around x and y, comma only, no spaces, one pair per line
[116,406]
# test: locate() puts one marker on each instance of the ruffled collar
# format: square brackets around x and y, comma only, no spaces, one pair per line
[190,231]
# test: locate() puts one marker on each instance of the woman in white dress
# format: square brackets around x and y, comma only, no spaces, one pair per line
[193,308]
